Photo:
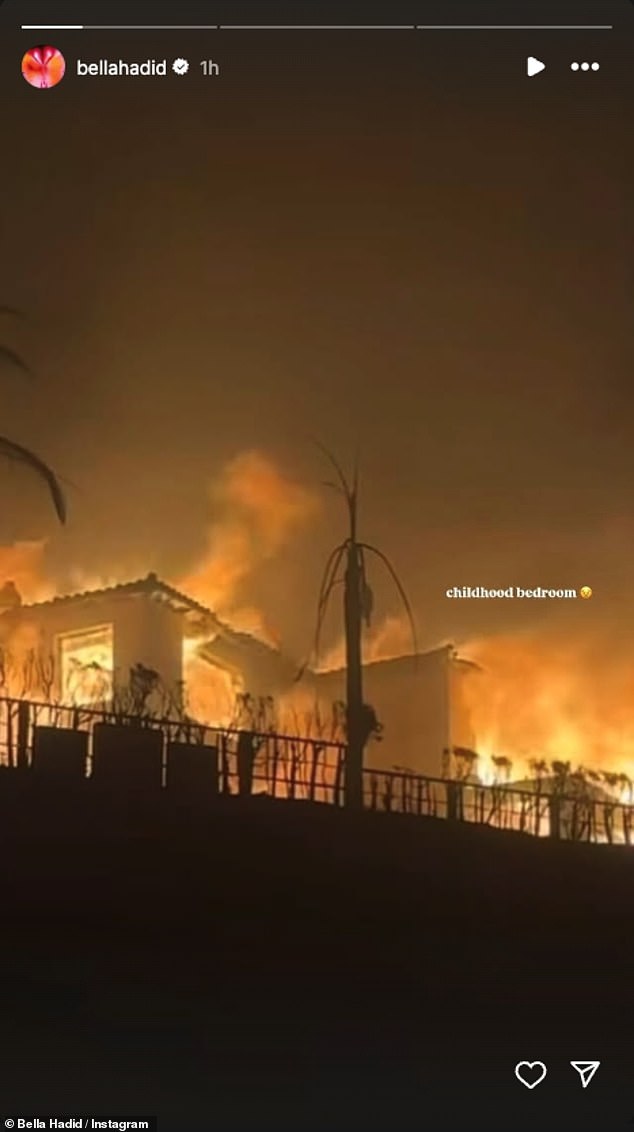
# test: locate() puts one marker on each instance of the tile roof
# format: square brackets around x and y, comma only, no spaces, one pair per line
[154,587]
[151,585]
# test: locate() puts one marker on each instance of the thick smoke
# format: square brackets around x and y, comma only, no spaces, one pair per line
[257,512]
[23,564]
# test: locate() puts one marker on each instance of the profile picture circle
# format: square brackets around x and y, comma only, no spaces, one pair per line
[43,66]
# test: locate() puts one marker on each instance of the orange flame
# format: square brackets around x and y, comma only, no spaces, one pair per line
[546,696]
[23,564]
[389,638]
[260,510]
[257,508]
[550,695]
[211,692]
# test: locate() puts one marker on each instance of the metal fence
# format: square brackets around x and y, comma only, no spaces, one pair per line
[295,767]
[543,811]
[284,766]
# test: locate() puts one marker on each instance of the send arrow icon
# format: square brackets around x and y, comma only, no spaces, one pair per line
[586,1070]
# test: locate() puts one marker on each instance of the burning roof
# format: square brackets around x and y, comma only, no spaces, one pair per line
[151,586]
[214,641]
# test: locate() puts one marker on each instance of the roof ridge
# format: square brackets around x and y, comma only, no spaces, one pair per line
[144,584]
[148,584]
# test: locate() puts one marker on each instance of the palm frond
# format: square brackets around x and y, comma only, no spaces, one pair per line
[330,570]
[14,359]
[366,595]
[6,353]
[355,475]
[328,582]
[334,487]
[397,582]
[337,466]
[24,456]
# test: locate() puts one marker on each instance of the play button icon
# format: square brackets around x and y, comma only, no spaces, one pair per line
[534,66]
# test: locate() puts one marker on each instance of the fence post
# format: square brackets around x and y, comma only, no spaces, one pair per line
[388,792]
[316,751]
[294,766]
[9,733]
[226,771]
[23,735]
[245,756]
[275,765]
[452,800]
[554,810]
[342,754]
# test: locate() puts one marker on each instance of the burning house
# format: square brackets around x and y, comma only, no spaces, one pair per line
[145,644]
[421,705]
[138,640]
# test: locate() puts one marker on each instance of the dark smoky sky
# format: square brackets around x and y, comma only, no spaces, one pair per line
[418,252]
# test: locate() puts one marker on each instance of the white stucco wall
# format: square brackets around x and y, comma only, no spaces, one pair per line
[145,631]
[415,700]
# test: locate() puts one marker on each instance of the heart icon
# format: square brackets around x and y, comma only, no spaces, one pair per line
[530,1073]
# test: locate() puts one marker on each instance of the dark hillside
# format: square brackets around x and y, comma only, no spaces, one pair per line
[269,964]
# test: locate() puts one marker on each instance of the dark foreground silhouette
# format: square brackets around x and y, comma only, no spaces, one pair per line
[255,964]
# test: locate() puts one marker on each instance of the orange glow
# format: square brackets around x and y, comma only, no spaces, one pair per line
[23,564]
[544,695]
[259,510]
[210,691]
[389,638]
[86,664]
[547,697]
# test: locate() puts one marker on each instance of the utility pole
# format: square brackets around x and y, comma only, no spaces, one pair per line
[354,582]
[350,557]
